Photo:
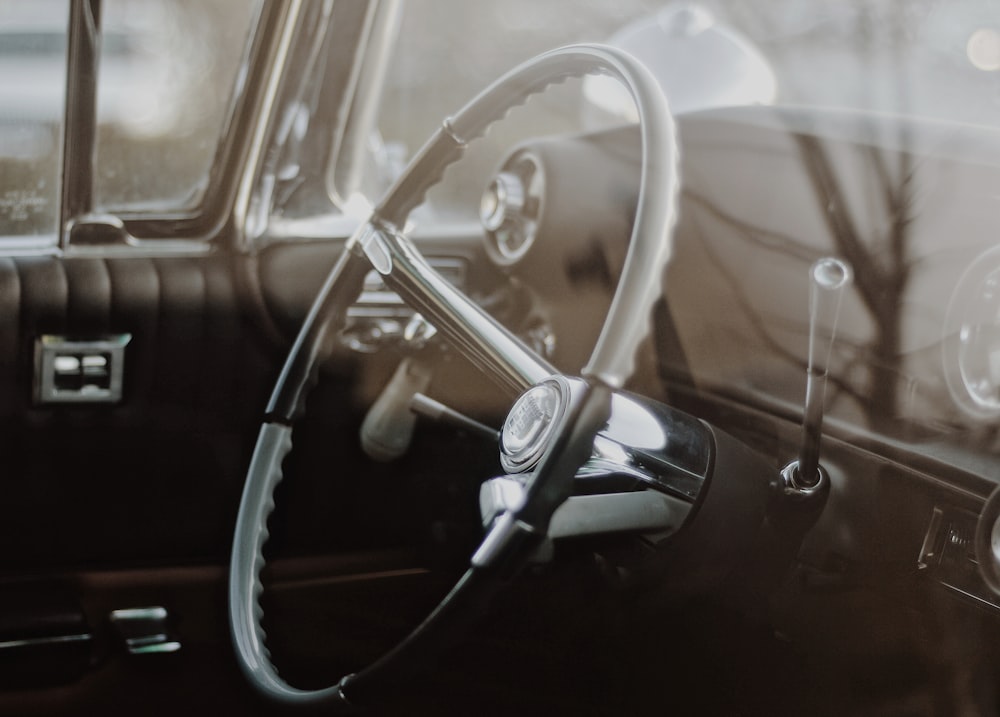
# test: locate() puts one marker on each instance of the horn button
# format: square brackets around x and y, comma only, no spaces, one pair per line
[529,426]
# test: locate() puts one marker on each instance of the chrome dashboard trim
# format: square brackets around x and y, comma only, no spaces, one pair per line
[42,641]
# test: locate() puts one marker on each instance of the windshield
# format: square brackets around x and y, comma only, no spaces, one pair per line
[922,74]
[927,58]
[938,59]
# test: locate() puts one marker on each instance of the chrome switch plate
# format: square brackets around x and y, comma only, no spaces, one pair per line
[75,370]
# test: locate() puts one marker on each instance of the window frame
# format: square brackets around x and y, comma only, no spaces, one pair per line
[275,74]
[79,228]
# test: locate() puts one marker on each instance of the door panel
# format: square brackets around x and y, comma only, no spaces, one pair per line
[132,505]
[156,477]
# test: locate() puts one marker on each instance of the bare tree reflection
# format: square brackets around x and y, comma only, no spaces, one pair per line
[881,265]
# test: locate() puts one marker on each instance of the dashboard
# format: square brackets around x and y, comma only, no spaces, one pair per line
[910,430]
[903,556]
[893,572]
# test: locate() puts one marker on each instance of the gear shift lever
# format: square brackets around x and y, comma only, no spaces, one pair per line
[828,280]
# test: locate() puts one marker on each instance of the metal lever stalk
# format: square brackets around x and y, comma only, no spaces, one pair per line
[828,281]
[429,408]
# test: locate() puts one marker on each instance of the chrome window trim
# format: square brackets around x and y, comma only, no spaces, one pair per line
[264,116]
[153,232]
[362,100]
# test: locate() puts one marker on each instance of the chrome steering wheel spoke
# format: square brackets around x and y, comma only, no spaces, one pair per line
[474,333]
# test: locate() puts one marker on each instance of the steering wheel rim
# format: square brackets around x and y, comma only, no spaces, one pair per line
[379,244]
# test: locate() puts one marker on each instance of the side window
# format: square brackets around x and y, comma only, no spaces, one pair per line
[167,75]
[32,95]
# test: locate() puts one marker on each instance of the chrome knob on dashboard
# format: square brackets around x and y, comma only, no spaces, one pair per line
[510,208]
[503,200]
[828,281]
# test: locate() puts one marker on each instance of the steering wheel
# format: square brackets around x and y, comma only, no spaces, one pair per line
[560,447]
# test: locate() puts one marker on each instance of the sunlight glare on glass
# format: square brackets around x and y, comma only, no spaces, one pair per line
[983,49]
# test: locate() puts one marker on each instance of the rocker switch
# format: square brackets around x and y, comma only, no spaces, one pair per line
[79,371]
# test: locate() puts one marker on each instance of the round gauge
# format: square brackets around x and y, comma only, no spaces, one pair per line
[972,338]
[510,208]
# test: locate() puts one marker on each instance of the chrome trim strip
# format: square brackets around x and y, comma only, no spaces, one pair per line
[157,645]
[139,613]
[79,119]
[340,226]
[140,249]
[144,248]
[374,55]
[40,641]
[264,112]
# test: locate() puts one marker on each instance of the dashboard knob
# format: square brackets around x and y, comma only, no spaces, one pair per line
[502,201]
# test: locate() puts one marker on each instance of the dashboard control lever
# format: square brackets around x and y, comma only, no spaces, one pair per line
[387,429]
[828,281]
[436,411]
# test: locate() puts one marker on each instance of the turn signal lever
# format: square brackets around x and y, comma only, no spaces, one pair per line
[828,281]
[387,430]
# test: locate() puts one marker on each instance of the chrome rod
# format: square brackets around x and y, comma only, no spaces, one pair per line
[429,408]
[828,281]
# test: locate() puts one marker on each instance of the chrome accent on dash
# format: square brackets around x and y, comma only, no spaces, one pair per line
[503,200]
[796,486]
[511,207]
[145,630]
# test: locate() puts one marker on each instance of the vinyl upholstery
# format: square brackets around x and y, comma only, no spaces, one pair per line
[157,477]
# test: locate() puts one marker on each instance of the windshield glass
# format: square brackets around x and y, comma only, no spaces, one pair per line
[938,59]
[907,193]
[167,76]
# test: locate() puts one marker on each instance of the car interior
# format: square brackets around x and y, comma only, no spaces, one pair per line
[428,358]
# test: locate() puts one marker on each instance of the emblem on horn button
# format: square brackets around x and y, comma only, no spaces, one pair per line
[528,427]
